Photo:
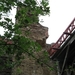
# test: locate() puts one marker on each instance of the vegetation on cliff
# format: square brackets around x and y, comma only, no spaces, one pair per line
[12,44]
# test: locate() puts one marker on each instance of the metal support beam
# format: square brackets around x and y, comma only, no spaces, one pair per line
[65,59]
[58,67]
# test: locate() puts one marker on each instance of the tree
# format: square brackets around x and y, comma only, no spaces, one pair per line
[12,44]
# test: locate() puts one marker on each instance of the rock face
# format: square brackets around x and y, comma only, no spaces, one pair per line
[29,66]
[37,32]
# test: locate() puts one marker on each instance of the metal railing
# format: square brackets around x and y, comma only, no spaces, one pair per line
[62,39]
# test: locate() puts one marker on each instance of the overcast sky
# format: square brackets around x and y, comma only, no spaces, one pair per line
[62,12]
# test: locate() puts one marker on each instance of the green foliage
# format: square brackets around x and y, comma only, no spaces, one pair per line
[12,44]
[18,71]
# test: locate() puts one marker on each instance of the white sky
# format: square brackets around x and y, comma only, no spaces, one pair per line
[62,13]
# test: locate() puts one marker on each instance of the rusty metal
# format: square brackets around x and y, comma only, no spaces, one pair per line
[62,38]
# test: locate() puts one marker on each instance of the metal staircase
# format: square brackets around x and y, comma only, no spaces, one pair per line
[63,51]
[66,34]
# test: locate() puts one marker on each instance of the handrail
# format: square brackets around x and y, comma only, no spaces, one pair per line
[62,38]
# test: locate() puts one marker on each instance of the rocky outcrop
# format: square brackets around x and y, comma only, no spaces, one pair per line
[29,65]
[37,32]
